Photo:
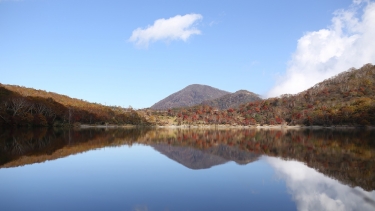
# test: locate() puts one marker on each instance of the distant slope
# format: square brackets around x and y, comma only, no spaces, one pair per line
[62,99]
[232,100]
[189,96]
[21,106]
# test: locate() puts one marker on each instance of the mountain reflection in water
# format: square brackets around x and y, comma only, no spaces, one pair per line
[323,169]
[204,159]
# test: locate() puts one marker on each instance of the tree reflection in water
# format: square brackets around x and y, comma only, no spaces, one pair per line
[347,156]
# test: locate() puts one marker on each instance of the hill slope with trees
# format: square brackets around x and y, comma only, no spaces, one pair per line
[346,99]
[232,100]
[21,106]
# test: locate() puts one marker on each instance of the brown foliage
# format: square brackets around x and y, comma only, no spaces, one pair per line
[346,99]
[20,106]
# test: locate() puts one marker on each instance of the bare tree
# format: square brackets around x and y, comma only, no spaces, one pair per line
[68,115]
[17,105]
[40,108]
[50,113]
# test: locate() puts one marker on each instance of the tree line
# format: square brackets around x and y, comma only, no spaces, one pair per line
[328,151]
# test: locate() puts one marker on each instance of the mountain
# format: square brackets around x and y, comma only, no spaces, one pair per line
[189,96]
[232,100]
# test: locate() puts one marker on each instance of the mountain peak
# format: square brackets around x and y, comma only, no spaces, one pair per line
[191,95]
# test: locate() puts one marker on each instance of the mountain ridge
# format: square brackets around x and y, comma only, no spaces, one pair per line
[198,94]
[232,100]
[191,95]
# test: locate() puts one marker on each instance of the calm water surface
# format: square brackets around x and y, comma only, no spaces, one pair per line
[160,169]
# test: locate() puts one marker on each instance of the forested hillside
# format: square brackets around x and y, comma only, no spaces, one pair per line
[20,106]
[346,99]
[232,100]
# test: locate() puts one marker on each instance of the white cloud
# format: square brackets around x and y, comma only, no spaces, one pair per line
[175,28]
[347,42]
[312,190]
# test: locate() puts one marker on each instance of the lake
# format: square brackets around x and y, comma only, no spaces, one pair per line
[187,169]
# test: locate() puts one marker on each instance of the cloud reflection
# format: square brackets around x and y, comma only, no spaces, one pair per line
[140,208]
[312,190]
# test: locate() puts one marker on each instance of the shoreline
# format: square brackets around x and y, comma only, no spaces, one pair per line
[286,127]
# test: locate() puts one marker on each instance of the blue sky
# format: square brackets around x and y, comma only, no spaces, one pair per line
[84,48]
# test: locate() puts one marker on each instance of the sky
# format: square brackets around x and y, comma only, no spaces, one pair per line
[135,53]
